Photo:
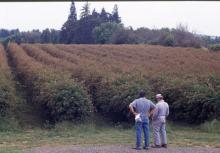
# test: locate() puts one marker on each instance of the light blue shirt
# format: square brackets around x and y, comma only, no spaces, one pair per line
[143,106]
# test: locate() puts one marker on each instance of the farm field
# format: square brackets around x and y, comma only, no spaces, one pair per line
[113,74]
[43,85]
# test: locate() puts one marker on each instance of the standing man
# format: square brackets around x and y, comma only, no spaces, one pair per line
[142,108]
[159,122]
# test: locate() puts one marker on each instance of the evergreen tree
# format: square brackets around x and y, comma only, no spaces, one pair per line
[115,15]
[104,16]
[67,31]
[85,10]
[55,36]
[45,36]
[95,14]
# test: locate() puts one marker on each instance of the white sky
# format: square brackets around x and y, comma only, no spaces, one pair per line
[201,17]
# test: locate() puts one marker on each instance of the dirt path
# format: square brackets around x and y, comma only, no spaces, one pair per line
[119,149]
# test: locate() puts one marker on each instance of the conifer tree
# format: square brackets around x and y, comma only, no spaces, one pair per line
[115,15]
[85,11]
[67,31]
[104,16]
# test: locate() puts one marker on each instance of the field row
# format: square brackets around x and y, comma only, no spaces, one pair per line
[58,95]
[70,82]
[7,86]
[153,60]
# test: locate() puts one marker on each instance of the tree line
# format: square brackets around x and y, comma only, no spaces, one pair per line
[107,28]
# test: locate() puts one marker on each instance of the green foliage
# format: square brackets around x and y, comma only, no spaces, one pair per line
[8,124]
[4,99]
[103,33]
[169,40]
[7,90]
[115,15]
[68,28]
[85,10]
[81,31]
[214,48]
[190,101]
[60,97]
[211,126]
[209,40]
[50,36]
[124,36]
[10,151]
[70,99]
[114,97]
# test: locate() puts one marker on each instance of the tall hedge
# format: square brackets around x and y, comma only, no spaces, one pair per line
[7,86]
[113,98]
[191,101]
[60,97]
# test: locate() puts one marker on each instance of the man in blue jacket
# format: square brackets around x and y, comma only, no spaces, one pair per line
[142,108]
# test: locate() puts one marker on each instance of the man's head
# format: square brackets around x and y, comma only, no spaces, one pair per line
[142,93]
[159,97]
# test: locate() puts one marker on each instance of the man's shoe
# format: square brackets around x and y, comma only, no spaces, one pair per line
[156,146]
[164,145]
[136,148]
[145,148]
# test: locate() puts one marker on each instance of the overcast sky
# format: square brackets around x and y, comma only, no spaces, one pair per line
[201,17]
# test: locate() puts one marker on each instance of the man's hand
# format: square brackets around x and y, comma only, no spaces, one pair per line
[132,110]
[135,113]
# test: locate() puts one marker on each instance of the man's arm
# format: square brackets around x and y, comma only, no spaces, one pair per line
[132,110]
[154,110]
[155,113]
[167,113]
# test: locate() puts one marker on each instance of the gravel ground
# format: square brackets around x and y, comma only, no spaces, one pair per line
[118,149]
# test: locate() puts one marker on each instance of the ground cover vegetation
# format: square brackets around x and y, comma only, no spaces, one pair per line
[113,75]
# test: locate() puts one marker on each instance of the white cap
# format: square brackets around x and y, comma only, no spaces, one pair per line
[159,96]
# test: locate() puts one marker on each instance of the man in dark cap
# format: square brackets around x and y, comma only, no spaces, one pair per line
[141,108]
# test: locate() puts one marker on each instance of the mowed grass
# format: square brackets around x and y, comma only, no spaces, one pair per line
[99,134]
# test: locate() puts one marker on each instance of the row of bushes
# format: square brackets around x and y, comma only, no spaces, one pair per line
[110,97]
[60,97]
[190,101]
[7,90]
[215,47]
[113,98]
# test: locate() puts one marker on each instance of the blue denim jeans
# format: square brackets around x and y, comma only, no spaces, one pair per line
[145,126]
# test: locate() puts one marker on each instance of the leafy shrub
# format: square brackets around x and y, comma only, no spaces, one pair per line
[114,97]
[169,40]
[211,126]
[60,96]
[215,47]
[191,102]
[65,100]
[103,33]
[7,90]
